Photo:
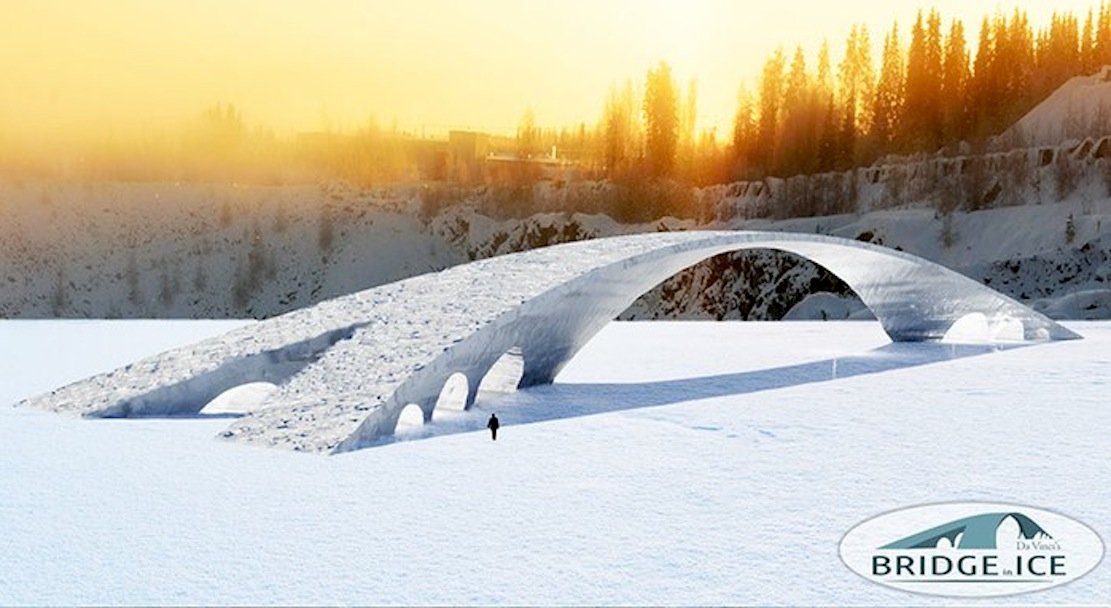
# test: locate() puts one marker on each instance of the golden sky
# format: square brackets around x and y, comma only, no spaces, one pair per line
[105,65]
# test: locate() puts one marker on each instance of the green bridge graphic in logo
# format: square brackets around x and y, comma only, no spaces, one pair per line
[975,532]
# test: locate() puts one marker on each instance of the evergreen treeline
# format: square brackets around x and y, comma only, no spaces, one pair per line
[927,93]
[930,88]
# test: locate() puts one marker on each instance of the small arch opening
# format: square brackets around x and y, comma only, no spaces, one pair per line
[1008,330]
[453,397]
[503,377]
[971,328]
[239,400]
[410,420]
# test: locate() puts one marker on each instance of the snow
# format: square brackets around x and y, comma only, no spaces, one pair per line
[174,249]
[827,307]
[671,463]
[266,255]
[975,328]
[1090,303]
[240,400]
[1079,107]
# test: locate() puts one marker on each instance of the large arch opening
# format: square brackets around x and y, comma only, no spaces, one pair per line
[759,284]
[502,378]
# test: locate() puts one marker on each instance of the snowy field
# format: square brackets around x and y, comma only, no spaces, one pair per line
[672,463]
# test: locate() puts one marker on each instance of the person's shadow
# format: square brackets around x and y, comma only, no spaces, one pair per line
[571,400]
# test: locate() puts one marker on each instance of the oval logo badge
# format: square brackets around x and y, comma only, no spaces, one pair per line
[971,549]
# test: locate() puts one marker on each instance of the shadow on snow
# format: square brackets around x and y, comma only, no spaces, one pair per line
[571,400]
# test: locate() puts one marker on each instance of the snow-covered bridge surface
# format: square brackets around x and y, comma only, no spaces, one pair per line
[347,367]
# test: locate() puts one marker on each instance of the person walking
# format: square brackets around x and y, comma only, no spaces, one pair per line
[493,425]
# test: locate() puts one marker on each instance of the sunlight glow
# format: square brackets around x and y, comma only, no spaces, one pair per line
[115,67]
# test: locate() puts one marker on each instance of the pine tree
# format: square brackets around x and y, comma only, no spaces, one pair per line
[799,139]
[1102,44]
[1058,53]
[620,132]
[922,111]
[982,89]
[825,105]
[1087,45]
[1019,68]
[932,94]
[856,90]
[744,132]
[528,136]
[823,82]
[688,118]
[888,100]
[661,120]
[771,93]
[828,135]
[954,84]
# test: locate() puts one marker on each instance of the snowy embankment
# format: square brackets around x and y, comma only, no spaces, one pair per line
[1031,218]
[1077,109]
[671,463]
[210,251]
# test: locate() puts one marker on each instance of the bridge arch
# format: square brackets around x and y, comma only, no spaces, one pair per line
[375,351]
[913,299]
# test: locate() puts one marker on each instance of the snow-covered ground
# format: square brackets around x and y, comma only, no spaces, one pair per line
[672,463]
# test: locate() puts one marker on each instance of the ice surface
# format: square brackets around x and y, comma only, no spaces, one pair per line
[670,463]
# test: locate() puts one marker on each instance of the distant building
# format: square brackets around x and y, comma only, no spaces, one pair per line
[431,158]
[466,157]
[505,167]
[465,151]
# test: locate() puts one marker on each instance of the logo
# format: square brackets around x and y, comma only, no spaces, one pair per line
[971,549]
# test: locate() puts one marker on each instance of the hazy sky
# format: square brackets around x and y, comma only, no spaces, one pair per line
[103,65]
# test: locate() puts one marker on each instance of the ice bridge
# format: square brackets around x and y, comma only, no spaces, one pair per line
[345,368]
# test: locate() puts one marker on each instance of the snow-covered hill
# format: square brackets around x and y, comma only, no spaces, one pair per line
[207,251]
[1078,109]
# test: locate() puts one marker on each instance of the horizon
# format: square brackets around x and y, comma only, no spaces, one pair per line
[146,69]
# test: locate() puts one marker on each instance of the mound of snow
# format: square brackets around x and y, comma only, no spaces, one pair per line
[240,400]
[824,306]
[1083,304]
[975,328]
[1079,108]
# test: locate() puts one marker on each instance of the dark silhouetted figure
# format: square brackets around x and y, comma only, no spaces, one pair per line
[493,425]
